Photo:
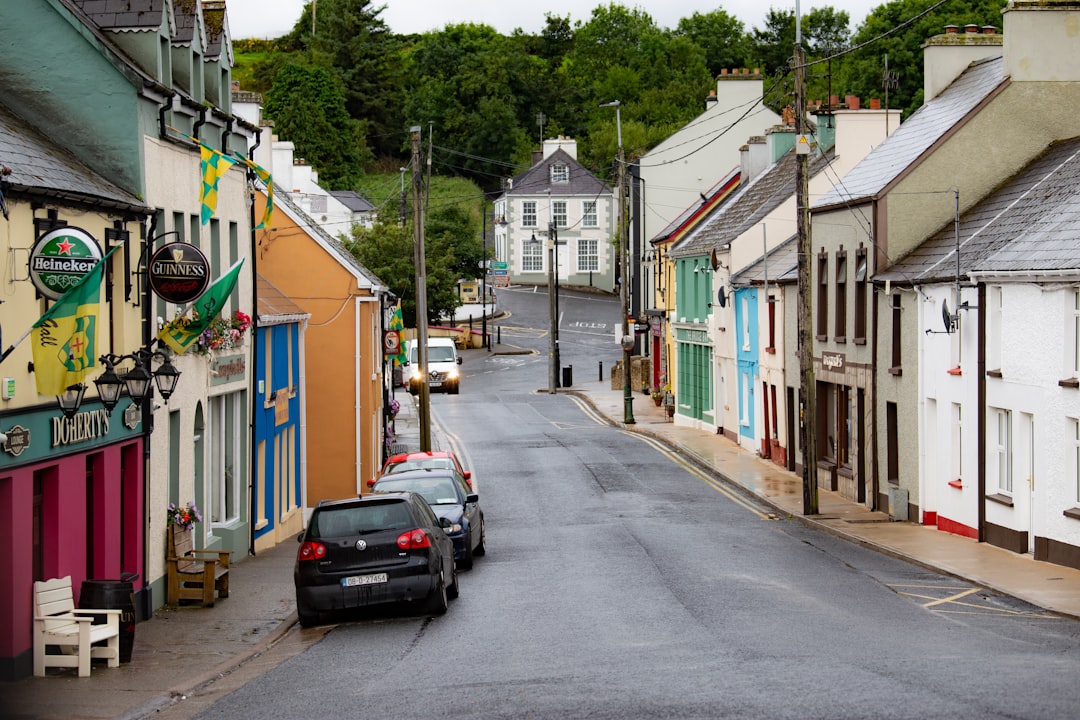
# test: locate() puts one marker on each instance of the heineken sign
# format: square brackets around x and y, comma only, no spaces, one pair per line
[179,272]
[60,258]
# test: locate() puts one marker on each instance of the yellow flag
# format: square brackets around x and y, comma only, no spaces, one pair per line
[64,339]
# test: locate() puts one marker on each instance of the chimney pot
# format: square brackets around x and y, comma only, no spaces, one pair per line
[723,71]
[834,100]
[989,30]
[971,28]
[852,102]
[951,29]
[875,103]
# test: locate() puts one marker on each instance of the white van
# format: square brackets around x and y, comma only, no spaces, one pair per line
[443,361]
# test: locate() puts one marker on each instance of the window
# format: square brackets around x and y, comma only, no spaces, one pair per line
[860,295]
[532,259]
[1000,447]
[957,442]
[993,350]
[1076,456]
[823,296]
[841,296]
[827,430]
[588,214]
[560,173]
[528,213]
[897,335]
[744,400]
[1074,336]
[558,213]
[588,259]
[770,303]
[843,426]
[228,448]
[744,307]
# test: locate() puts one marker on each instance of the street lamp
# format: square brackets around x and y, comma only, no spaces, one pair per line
[136,380]
[627,340]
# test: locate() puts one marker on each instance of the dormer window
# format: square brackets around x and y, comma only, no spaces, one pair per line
[560,173]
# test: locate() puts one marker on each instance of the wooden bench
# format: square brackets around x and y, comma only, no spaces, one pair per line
[195,574]
[58,623]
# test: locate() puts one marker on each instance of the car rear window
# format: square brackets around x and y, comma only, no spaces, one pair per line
[438,490]
[359,519]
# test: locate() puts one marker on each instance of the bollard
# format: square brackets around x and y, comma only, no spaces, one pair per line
[601,378]
[498,340]
[568,376]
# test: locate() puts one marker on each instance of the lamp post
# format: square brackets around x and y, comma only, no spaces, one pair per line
[627,340]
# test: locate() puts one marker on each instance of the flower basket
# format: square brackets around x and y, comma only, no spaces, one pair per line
[183,517]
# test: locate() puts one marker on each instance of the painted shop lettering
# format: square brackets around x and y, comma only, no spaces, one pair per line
[83,426]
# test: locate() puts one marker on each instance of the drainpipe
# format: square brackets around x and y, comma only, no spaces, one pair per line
[253,486]
[199,123]
[226,133]
[980,380]
[166,106]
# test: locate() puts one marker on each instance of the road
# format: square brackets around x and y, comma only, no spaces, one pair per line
[620,582]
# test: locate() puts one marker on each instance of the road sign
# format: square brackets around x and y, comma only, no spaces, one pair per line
[499,265]
[498,272]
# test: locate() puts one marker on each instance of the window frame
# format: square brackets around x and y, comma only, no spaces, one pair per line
[588,255]
[560,173]
[840,295]
[590,217]
[528,213]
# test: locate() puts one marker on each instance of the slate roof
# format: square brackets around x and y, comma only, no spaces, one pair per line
[782,263]
[1029,224]
[749,206]
[537,179]
[884,164]
[123,14]
[39,166]
[709,200]
[215,20]
[274,306]
[187,21]
[353,200]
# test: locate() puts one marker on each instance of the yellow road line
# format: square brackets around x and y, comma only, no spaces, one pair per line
[952,598]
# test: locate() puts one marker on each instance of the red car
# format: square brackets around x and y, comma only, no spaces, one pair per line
[403,462]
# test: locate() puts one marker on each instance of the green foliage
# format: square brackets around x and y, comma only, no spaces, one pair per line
[863,73]
[722,37]
[452,243]
[307,106]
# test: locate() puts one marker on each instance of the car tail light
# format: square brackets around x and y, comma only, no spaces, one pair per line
[413,540]
[310,550]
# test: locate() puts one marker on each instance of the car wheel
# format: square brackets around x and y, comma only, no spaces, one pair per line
[481,547]
[306,616]
[437,601]
[453,591]
[455,388]
[414,390]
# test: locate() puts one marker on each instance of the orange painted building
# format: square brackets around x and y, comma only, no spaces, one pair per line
[341,368]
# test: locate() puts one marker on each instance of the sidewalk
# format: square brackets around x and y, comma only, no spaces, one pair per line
[1052,587]
[183,650]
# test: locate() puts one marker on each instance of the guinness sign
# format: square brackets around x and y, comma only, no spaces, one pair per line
[60,258]
[179,273]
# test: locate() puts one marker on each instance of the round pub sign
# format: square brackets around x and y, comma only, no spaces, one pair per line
[60,258]
[179,272]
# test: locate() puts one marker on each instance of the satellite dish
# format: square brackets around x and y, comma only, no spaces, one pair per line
[946,316]
[721,298]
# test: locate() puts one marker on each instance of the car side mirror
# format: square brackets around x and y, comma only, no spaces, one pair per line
[472,498]
[459,360]
[300,538]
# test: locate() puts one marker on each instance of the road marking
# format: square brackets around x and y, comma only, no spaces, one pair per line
[951,604]
[700,474]
[589,411]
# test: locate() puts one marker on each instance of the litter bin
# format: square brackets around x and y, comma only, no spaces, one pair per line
[113,595]
[568,376]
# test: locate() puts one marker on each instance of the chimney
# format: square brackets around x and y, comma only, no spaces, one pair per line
[947,55]
[738,87]
[711,100]
[1041,44]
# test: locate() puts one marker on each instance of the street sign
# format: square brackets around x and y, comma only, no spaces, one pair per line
[498,272]
[499,265]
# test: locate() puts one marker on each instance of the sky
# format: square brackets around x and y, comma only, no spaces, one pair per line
[273,18]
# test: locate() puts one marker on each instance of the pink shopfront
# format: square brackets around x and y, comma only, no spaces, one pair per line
[72,501]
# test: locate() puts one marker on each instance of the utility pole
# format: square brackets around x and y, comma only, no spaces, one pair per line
[553,372]
[483,280]
[421,292]
[624,278]
[807,386]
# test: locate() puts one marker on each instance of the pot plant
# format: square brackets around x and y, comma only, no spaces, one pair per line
[660,391]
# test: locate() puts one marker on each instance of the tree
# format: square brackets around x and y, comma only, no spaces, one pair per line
[863,72]
[307,106]
[721,36]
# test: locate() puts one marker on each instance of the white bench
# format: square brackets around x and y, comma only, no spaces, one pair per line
[57,622]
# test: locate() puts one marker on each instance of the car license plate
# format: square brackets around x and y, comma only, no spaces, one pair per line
[364,580]
[435,383]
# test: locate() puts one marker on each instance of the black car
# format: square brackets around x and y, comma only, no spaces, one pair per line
[450,496]
[370,550]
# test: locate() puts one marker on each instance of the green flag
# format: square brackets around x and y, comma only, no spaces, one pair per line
[398,324]
[181,334]
[64,338]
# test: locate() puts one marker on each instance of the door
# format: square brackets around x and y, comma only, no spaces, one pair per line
[1027,453]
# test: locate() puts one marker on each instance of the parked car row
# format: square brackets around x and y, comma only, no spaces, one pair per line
[400,544]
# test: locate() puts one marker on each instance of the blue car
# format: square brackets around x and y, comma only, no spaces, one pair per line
[453,501]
